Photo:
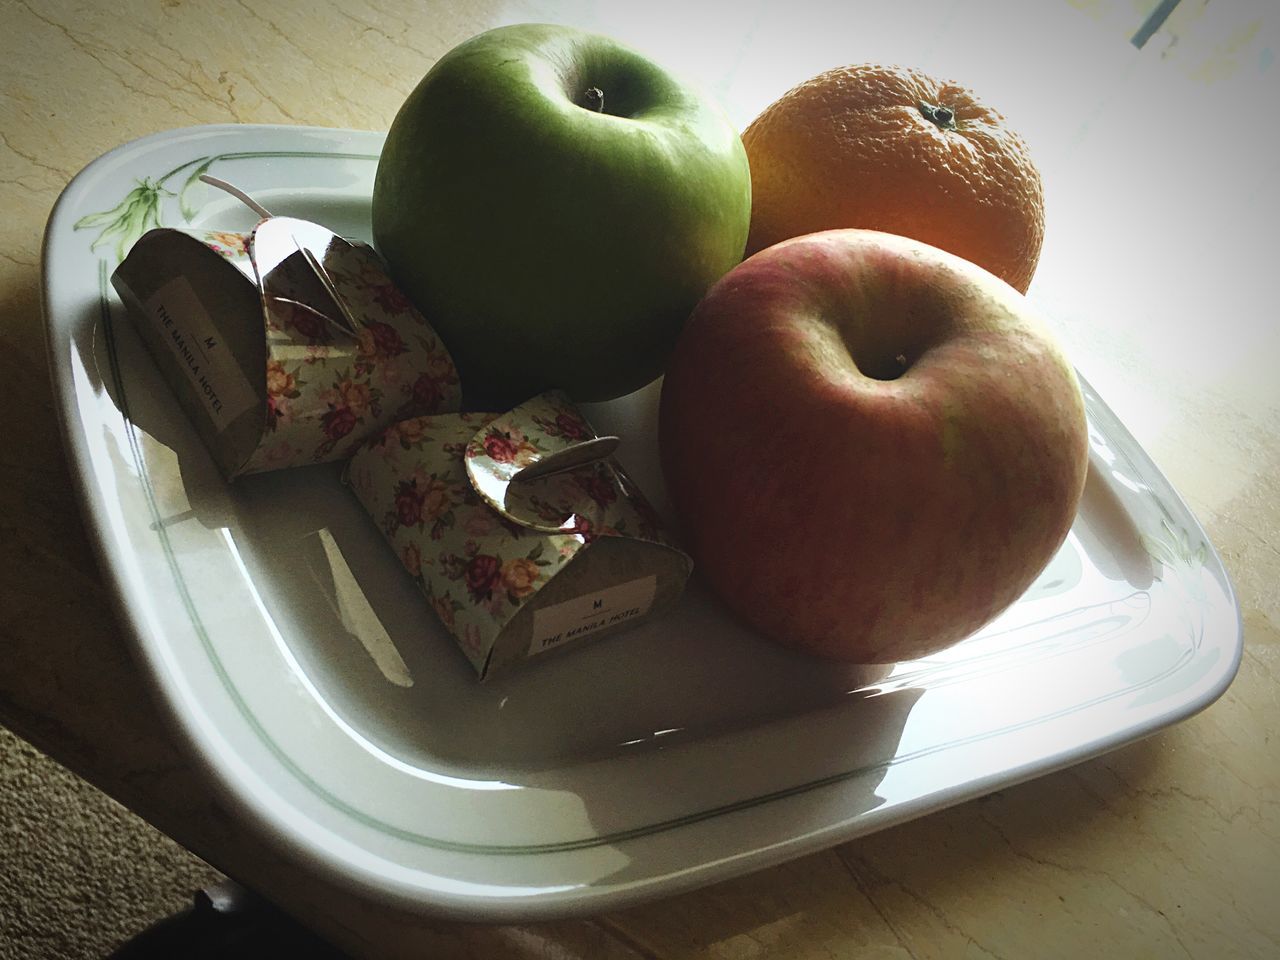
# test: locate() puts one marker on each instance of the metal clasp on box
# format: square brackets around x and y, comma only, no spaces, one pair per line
[276,240]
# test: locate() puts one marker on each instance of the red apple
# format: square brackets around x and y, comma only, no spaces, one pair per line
[874,446]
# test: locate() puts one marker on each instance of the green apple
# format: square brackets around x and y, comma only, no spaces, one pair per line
[556,204]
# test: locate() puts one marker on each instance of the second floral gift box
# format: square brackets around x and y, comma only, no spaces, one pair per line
[524,535]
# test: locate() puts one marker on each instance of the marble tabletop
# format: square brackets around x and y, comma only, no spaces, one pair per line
[1156,272]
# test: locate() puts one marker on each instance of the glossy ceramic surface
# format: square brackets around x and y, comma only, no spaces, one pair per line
[308,676]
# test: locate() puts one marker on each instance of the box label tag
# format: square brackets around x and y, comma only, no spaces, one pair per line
[196,343]
[562,622]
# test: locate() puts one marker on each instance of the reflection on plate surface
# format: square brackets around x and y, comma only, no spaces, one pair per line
[308,674]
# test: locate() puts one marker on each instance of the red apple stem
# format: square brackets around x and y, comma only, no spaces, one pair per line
[942,117]
[593,99]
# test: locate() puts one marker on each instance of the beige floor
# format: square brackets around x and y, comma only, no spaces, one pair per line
[79,874]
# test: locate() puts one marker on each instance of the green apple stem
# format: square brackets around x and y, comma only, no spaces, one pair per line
[943,117]
[593,99]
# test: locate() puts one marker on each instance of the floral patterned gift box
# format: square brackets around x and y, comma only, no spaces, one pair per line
[524,534]
[286,346]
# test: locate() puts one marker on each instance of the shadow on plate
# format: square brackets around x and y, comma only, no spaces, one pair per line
[371,648]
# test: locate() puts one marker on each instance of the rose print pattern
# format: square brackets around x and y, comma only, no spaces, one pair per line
[519,575]
[423,501]
[597,483]
[336,424]
[565,424]
[502,447]
[478,565]
[331,380]
[480,574]
[411,557]
[229,245]
[378,343]
[328,388]
[301,324]
[429,386]
[283,387]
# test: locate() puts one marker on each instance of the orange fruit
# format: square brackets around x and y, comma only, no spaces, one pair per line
[892,149]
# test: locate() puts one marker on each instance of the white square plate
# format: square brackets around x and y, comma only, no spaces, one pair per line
[307,675]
